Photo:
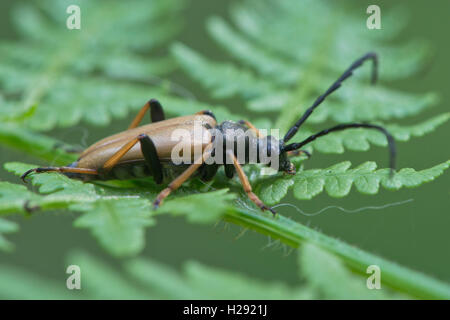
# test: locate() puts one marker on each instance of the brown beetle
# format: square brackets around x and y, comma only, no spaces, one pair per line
[146,150]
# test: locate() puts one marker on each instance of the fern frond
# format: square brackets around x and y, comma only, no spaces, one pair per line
[117,216]
[53,67]
[144,279]
[300,31]
[38,145]
[319,267]
[288,56]
[224,79]
[192,206]
[20,283]
[295,234]
[6,227]
[103,280]
[117,213]
[338,179]
[125,219]
[118,221]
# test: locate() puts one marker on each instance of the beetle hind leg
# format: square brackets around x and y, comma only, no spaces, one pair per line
[81,171]
[207,113]
[156,113]
[148,150]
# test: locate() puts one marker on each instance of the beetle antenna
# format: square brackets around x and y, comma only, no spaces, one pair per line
[390,139]
[369,56]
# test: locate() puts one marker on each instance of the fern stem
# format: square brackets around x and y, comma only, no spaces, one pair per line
[294,234]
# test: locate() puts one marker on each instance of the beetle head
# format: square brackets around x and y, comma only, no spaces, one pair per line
[275,151]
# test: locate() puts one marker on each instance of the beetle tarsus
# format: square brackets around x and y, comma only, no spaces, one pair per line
[161,196]
[38,170]
[30,209]
[207,113]
[23,176]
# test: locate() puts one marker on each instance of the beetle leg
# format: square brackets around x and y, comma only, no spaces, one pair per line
[249,125]
[156,113]
[208,171]
[175,184]
[151,157]
[148,151]
[229,170]
[111,162]
[247,186]
[207,112]
[59,169]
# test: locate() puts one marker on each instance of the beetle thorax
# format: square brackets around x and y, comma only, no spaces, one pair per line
[244,143]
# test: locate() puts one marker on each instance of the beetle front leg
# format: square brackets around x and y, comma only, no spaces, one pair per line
[156,113]
[247,186]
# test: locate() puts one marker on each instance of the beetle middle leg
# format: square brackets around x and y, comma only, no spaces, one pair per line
[175,184]
[148,151]
[247,186]
[156,113]
[249,125]
[207,112]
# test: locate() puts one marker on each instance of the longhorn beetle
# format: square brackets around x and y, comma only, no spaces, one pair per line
[146,150]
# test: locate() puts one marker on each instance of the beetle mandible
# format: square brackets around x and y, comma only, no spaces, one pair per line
[146,150]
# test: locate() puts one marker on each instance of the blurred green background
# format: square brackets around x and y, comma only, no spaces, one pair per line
[414,234]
